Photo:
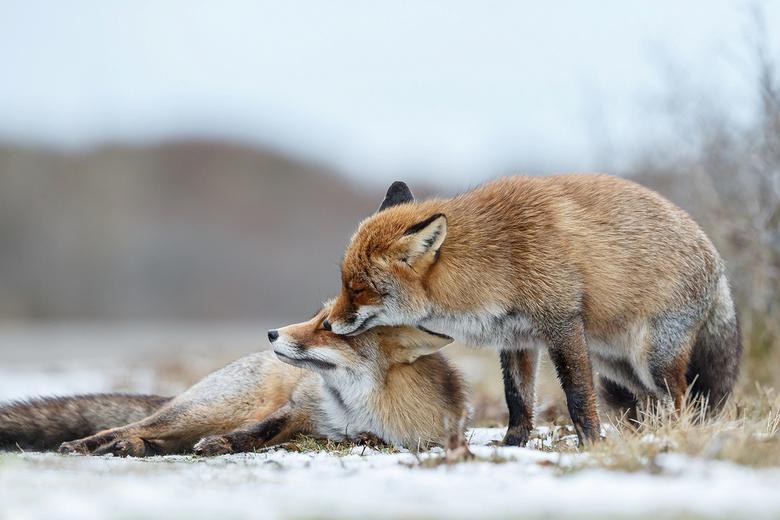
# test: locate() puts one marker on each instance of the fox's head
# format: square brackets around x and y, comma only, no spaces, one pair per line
[386,265]
[310,345]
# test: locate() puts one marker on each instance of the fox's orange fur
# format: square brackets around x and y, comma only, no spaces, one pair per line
[594,268]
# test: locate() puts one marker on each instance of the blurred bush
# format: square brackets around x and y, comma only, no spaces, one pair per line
[727,175]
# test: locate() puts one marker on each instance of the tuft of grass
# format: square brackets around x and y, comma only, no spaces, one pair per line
[745,431]
[307,444]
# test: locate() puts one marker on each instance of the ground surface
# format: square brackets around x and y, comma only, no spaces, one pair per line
[369,484]
[550,479]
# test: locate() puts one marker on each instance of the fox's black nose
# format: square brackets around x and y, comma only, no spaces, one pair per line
[326,325]
[273,335]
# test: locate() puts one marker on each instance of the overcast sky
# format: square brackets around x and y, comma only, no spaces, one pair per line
[446,89]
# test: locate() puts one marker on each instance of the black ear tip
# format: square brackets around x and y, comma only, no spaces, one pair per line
[397,193]
[396,186]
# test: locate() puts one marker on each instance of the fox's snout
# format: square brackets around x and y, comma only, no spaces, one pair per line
[273,335]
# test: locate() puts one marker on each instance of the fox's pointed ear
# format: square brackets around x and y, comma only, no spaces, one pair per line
[397,193]
[416,342]
[423,240]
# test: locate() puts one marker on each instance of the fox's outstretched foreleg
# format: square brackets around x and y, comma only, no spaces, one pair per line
[277,428]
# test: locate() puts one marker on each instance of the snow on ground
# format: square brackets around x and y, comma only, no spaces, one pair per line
[277,484]
[369,484]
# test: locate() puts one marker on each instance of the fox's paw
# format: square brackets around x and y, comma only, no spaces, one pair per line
[77,447]
[370,440]
[213,445]
[126,447]
[458,454]
[516,436]
[456,448]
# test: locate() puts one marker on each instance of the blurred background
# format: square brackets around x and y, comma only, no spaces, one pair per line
[176,177]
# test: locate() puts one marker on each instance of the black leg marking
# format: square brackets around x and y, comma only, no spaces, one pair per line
[258,435]
[569,354]
[519,371]
[620,399]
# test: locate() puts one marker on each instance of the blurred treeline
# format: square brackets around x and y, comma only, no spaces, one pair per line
[181,231]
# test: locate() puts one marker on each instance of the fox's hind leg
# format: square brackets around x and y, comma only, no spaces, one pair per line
[170,430]
[93,442]
[135,446]
[620,399]
[669,353]
[519,370]
[132,440]
[569,353]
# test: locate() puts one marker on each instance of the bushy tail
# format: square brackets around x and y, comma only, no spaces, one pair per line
[717,353]
[45,423]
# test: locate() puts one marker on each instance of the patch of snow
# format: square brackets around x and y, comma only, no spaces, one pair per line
[278,484]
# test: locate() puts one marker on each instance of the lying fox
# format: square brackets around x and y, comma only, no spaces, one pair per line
[390,383]
[597,270]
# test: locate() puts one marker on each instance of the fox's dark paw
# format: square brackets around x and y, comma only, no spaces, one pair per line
[516,437]
[370,440]
[77,447]
[214,445]
[127,447]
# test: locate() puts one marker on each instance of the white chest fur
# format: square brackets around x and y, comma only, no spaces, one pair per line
[346,412]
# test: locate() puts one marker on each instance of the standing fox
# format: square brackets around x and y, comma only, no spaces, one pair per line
[598,270]
[390,383]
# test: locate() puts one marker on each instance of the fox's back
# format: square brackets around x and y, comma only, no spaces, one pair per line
[621,247]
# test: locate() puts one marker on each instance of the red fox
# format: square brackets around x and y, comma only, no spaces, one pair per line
[390,384]
[598,270]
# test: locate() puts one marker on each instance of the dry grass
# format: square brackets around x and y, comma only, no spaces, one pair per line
[746,431]
[306,444]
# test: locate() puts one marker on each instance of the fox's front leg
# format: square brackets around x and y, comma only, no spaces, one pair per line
[519,370]
[278,427]
[569,353]
[456,449]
